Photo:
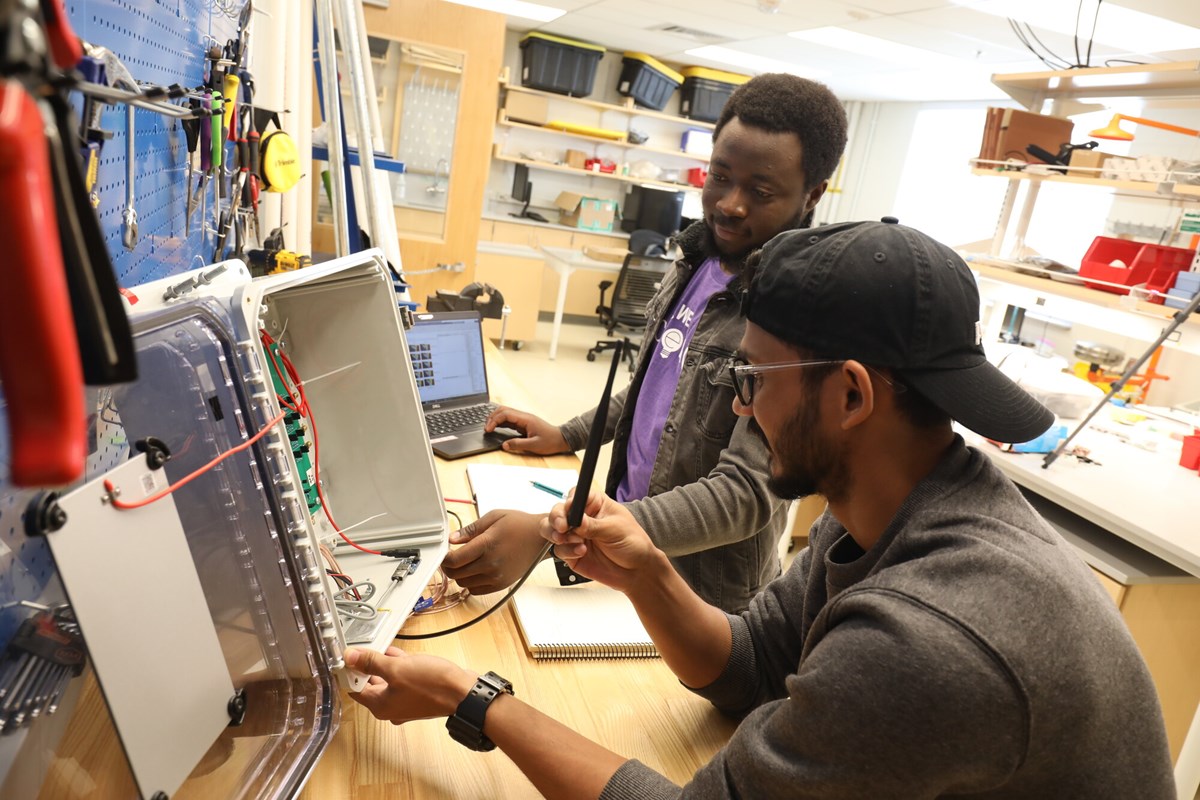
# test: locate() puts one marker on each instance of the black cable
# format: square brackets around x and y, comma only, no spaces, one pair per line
[1057,57]
[1029,45]
[1092,36]
[542,554]
[1075,37]
[457,518]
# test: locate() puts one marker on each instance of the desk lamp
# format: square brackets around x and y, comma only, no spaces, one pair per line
[1113,129]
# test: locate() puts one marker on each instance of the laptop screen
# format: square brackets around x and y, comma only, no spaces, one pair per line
[446,350]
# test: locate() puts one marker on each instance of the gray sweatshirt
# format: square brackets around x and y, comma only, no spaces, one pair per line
[969,652]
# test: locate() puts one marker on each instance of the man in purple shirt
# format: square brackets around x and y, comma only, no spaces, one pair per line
[690,471]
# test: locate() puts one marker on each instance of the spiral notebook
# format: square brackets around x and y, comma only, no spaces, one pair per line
[585,621]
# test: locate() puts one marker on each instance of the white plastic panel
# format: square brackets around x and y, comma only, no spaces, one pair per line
[150,635]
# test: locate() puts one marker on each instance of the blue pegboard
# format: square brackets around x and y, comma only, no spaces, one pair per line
[162,42]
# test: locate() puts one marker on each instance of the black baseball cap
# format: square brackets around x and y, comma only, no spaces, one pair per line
[890,296]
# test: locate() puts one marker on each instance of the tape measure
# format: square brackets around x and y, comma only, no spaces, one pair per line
[279,160]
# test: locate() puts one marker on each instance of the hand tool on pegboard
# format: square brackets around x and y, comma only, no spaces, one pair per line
[191,133]
[43,656]
[61,319]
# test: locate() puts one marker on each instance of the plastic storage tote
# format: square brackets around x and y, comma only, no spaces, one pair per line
[648,81]
[705,92]
[1129,263]
[555,64]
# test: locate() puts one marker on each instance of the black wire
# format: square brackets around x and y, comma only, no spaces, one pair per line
[457,518]
[1110,61]
[1075,37]
[542,554]
[1029,29]
[1028,45]
[1092,36]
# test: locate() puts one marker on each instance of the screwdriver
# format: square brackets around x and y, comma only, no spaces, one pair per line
[201,194]
[191,130]
[230,88]
[218,149]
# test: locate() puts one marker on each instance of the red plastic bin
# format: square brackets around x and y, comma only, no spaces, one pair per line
[1160,281]
[1189,457]
[1140,261]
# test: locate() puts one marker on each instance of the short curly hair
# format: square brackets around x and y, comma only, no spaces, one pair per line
[782,103]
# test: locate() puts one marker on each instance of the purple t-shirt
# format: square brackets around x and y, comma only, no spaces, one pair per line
[662,378]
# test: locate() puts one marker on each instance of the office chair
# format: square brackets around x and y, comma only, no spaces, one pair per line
[637,282]
[644,242]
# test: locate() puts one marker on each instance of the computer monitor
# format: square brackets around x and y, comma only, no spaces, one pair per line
[522,191]
[647,208]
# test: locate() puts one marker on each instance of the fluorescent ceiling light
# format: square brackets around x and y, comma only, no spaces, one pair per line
[874,47]
[756,64]
[515,8]
[1119,27]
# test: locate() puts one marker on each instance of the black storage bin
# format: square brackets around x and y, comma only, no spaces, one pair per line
[555,64]
[705,92]
[648,81]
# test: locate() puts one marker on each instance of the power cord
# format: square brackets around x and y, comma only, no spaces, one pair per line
[414,636]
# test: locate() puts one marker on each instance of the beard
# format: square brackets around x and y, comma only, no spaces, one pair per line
[735,263]
[804,462]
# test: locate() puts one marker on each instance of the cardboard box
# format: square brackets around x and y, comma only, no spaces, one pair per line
[697,142]
[576,159]
[1008,131]
[587,213]
[614,254]
[1092,162]
[522,107]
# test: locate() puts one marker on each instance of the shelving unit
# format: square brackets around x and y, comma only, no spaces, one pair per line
[629,107]
[1063,88]
[1167,190]
[1031,89]
[545,165]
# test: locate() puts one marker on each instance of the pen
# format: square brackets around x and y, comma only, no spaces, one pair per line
[547,489]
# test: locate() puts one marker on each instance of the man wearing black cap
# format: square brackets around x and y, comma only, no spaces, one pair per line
[937,638]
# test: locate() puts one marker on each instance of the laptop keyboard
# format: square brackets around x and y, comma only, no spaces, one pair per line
[441,423]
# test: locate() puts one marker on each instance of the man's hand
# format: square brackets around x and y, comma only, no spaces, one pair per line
[540,437]
[608,546]
[496,550]
[403,687]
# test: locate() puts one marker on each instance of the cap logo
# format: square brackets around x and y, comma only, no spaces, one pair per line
[978,333]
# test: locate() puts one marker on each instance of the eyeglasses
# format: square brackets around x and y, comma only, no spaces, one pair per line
[745,376]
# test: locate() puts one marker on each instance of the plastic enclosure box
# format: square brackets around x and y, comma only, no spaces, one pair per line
[1139,260]
[250,523]
[562,66]
[648,81]
[705,92]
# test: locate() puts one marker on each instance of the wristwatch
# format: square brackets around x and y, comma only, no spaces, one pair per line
[466,724]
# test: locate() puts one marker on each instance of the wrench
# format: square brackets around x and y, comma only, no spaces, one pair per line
[129,227]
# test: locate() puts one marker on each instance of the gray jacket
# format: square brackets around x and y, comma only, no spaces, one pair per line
[970,652]
[708,507]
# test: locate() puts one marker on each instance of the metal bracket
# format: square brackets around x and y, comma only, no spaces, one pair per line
[157,452]
[237,708]
[44,515]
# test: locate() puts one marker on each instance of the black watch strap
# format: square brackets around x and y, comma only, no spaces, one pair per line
[466,723]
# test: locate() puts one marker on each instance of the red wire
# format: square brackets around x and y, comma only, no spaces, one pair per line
[457,500]
[307,412]
[301,407]
[124,506]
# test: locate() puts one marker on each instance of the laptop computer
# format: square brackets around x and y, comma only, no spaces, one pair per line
[446,351]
